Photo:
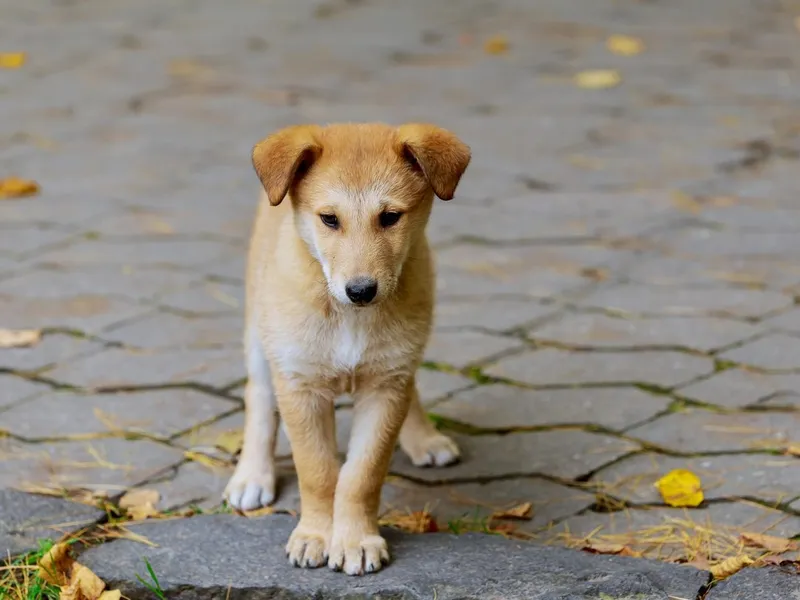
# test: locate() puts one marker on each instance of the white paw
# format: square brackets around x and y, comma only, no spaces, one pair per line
[307,548]
[358,556]
[250,489]
[436,450]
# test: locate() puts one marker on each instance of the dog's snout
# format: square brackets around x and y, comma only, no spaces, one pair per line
[361,290]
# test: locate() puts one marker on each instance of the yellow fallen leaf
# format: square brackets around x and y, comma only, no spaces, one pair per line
[19,338]
[139,497]
[771,543]
[793,449]
[230,441]
[681,488]
[521,511]
[599,79]
[730,566]
[13,187]
[111,595]
[496,45]
[624,45]
[11,60]
[259,512]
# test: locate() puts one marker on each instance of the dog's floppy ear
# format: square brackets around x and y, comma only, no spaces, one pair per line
[281,158]
[440,155]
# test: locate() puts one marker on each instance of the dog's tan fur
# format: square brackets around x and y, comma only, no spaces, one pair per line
[307,343]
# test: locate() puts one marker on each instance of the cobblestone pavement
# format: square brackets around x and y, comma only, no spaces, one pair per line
[618,275]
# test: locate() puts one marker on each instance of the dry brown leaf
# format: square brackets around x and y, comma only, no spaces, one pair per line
[521,511]
[681,488]
[83,585]
[497,44]
[686,203]
[771,543]
[598,79]
[793,449]
[19,338]
[624,45]
[13,187]
[54,566]
[730,566]
[138,497]
[598,547]
[140,504]
[416,522]
[12,60]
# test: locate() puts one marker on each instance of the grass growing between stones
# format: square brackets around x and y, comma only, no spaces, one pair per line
[20,579]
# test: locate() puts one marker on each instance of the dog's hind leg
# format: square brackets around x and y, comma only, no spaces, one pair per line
[253,481]
[422,442]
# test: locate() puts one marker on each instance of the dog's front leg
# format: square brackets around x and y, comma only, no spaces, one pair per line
[357,546]
[309,418]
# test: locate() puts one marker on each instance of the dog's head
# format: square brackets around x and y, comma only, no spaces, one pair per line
[361,195]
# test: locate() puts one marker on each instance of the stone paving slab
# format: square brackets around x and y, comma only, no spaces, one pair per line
[205,556]
[773,583]
[26,518]
[631,251]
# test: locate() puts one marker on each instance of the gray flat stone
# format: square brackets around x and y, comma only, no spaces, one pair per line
[768,583]
[771,479]
[659,531]
[736,388]
[26,518]
[204,556]
[603,331]
[15,389]
[506,407]
[120,367]
[164,330]
[652,300]
[436,385]
[158,413]
[565,454]
[696,430]
[208,298]
[463,507]
[775,352]
[52,350]
[464,348]
[492,314]
[110,464]
[560,367]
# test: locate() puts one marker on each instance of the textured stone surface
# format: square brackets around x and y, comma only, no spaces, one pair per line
[161,413]
[771,583]
[774,352]
[206,555]
[505,407]
[559,367]
[565,454]
[695,430]
[735,388]
[773,479]
[26,518]
[603,331]
[464,348]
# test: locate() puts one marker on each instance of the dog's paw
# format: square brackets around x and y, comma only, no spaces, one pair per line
[307,547]
[360,555]
[250,488]
[435,450]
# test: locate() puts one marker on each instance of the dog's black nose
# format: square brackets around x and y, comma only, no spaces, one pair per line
[361,290]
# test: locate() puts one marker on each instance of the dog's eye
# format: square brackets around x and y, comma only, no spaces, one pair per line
[330,220]
[387,219]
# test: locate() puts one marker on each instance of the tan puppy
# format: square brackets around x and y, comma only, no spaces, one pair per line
[340,291]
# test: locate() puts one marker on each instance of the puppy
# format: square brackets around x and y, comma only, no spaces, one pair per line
[340,293]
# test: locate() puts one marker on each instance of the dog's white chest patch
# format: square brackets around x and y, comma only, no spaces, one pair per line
[349,342]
